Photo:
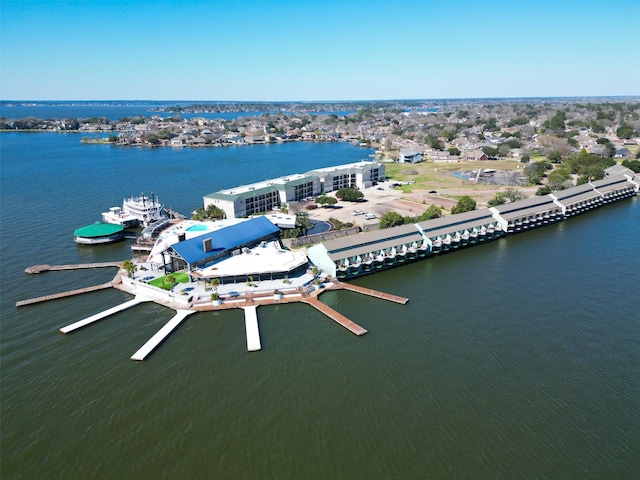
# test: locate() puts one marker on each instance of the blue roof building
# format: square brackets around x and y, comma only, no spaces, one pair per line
[217,245]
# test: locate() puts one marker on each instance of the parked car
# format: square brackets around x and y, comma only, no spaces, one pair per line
[369,216]
[358,212]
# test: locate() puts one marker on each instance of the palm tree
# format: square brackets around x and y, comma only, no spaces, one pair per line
[129,267]
[171,280]
[214,282]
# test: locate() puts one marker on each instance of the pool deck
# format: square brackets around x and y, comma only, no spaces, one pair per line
[194,297]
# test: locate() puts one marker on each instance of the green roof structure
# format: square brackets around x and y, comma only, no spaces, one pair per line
[98,229]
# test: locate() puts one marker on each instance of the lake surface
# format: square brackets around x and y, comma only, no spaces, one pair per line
[116,111]
[515,359]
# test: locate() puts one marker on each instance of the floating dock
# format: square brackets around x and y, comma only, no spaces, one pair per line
[251,326]
[101,315]
[162,334]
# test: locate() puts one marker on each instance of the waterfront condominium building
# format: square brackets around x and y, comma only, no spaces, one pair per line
[268,195]
[263,196]
[352,175]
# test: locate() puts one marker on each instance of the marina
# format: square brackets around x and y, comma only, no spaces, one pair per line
[497,347]
[246,255]
[248,302]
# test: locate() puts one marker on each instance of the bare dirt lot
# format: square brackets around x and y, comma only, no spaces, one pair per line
[433,184]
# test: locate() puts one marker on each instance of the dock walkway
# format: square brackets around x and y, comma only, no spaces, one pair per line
[251,326]
[101,315]
[335,316]
[372,293]
[75,266]
[163,333]
[68,293]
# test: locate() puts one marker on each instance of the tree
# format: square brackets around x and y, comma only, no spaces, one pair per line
[555,156]
[525,158]
[453,151]
[129,267]
[509,195]
[171,280]
[210,213]
[349,194]
[430,213]
[491,152]
[326,201]
[434,142]
[625,131]
[535,171]
[633,165]
[215,283]
[391,219]
[556,123]
[153,139]
[544,190]
[465,204]
[558,180]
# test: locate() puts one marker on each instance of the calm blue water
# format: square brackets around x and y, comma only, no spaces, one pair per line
[117,111]
[515,359]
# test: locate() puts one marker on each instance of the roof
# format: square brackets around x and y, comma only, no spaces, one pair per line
[371,241]
[526,207]
[225,239]
[457,222]
[576,194]
[98,229]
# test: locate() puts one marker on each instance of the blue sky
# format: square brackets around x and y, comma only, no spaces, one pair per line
[317,50]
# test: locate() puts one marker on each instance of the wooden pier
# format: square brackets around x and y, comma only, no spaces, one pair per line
[247,302]
[369,291]
[335,316]
[68,293]
[77,266]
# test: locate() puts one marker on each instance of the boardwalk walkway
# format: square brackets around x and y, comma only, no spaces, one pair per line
[372,293]
[75,266]
[335,316]
[69,293]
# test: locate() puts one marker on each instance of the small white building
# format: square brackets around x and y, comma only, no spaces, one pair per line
[410,155]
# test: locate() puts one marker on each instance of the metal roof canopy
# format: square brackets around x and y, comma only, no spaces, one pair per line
[225,239]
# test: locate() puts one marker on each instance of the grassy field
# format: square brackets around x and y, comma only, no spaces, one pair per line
[440,176]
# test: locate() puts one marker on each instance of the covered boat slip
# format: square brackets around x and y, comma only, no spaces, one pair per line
[614,187]
[372,242]
[532,212]
[458,223]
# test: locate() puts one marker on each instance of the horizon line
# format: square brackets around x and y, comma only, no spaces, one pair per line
[322,101]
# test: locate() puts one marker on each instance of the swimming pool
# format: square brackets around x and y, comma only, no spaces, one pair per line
[196,228]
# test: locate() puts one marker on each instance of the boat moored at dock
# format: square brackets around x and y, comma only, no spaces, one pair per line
[98,233]
[136,211]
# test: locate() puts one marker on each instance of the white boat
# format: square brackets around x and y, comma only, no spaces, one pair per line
[116,216]
[142,209]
